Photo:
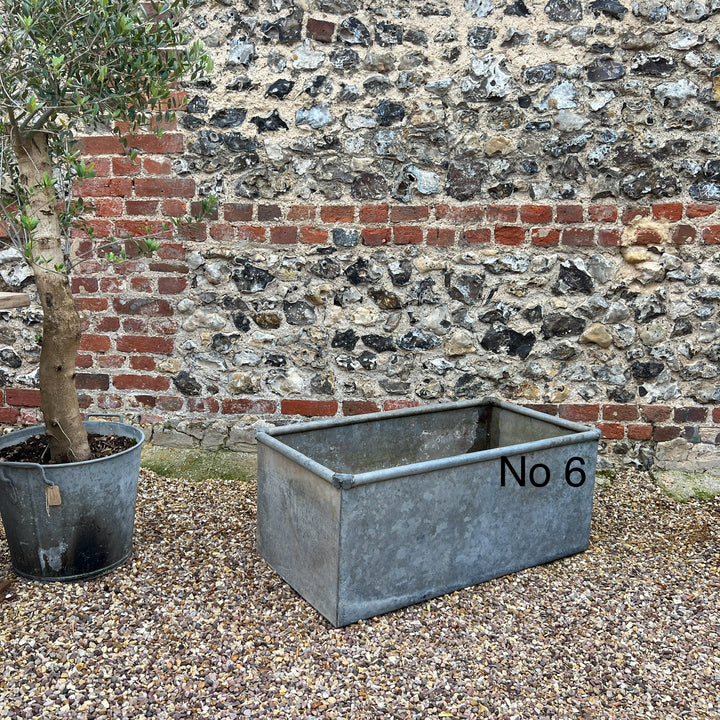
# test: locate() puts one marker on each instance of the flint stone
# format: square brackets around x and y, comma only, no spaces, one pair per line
[389,112]
[646,370]
[369,186]
[479,8]
[562,97]
[363,271]
[469,385]
[605,70]
[385,300]
[10,358]
[271,123]
[416,339]
[611,8]
[558,325]
[426,181]
[387,33]
[654,65]
[598,335]
[280,89]
[572,278]
[241,53]
[692,10]
[187,384]
[705,191]
[466,288]
[250,278]
[493,79]
[317,116]
[564,10]
[685,39]
[345,238]
[501,337]
[285,30]
[326,268]
[675,94]
[354,32]
[464,180]
[481,36]
[516,9]
[539,74]
[299,312]
[648,307]
[378,343]
[308,59]
[267,320]
[438,321]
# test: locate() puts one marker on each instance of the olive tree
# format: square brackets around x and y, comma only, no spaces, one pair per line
[67,67]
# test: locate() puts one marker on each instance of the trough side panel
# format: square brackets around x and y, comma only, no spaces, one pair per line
[512,428]
[416,537]
[298,520]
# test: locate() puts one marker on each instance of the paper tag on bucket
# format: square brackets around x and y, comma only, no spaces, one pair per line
[52,493]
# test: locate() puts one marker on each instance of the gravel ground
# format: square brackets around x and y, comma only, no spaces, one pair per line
[197,626]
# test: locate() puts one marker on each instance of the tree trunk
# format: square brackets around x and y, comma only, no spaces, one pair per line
[61,322]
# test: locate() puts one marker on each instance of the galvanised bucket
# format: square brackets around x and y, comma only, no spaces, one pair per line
[367,514]
[90,531]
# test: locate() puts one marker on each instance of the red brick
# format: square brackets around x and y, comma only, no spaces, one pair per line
[684,234]
[203,405]
[375,236]
[111,361]
[647,236]
[242,406]
[238,212]
[155,166]
[656,413]
[459,213]
[696,210]
[667,211]
[359,407]
[409,213]
[164,326]
[95,343]
[578,237]
[108,207]
[91,304]
[109,401]
[112,285]
[100,145]
[620,412]
[536,214]
[478,235]
[407,234]
[629,214]
[309,408]
[268,212]
[337,213]
[193,232]
[440,236]
[171,285]
[313,235]
[501,213]
[399,404]
[139,228]
[146,401]
[84,284]
[509,234]
[125,166]
[609,238]
[373,213]
[141,382]
[166,267]
[145,344]
[142,284]
[284,235]
[579,413]
[320,30]
[171,251]
[301,212]
[612,431]
[546,408]
[695,414]
[716,415]
[196,211]
[172,207]
[545,237]
[639,432]
[251,234]
[169,403]
[148,307]
[84,361]
[104,187]
[165,187]
[135,325]
[9,416]
[222,232]
[711,234]
[22,397]
[157,145]
[107,324]
[141,207]
[602,213]
[569,213]
[92,381]
[664,433]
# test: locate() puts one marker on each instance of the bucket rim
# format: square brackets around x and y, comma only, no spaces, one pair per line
[90,426]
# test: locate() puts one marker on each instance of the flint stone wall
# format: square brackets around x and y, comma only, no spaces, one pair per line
[418,203]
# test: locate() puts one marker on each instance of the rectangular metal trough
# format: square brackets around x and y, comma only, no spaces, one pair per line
[367,514]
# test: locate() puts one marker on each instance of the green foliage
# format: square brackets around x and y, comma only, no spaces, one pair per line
[67,65]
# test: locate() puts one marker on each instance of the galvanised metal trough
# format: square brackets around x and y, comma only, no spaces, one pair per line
[367,514]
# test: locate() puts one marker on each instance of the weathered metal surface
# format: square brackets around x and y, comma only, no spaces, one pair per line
[368,514]
[72,521]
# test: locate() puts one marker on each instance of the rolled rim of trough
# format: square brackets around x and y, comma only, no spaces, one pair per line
[581,433]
